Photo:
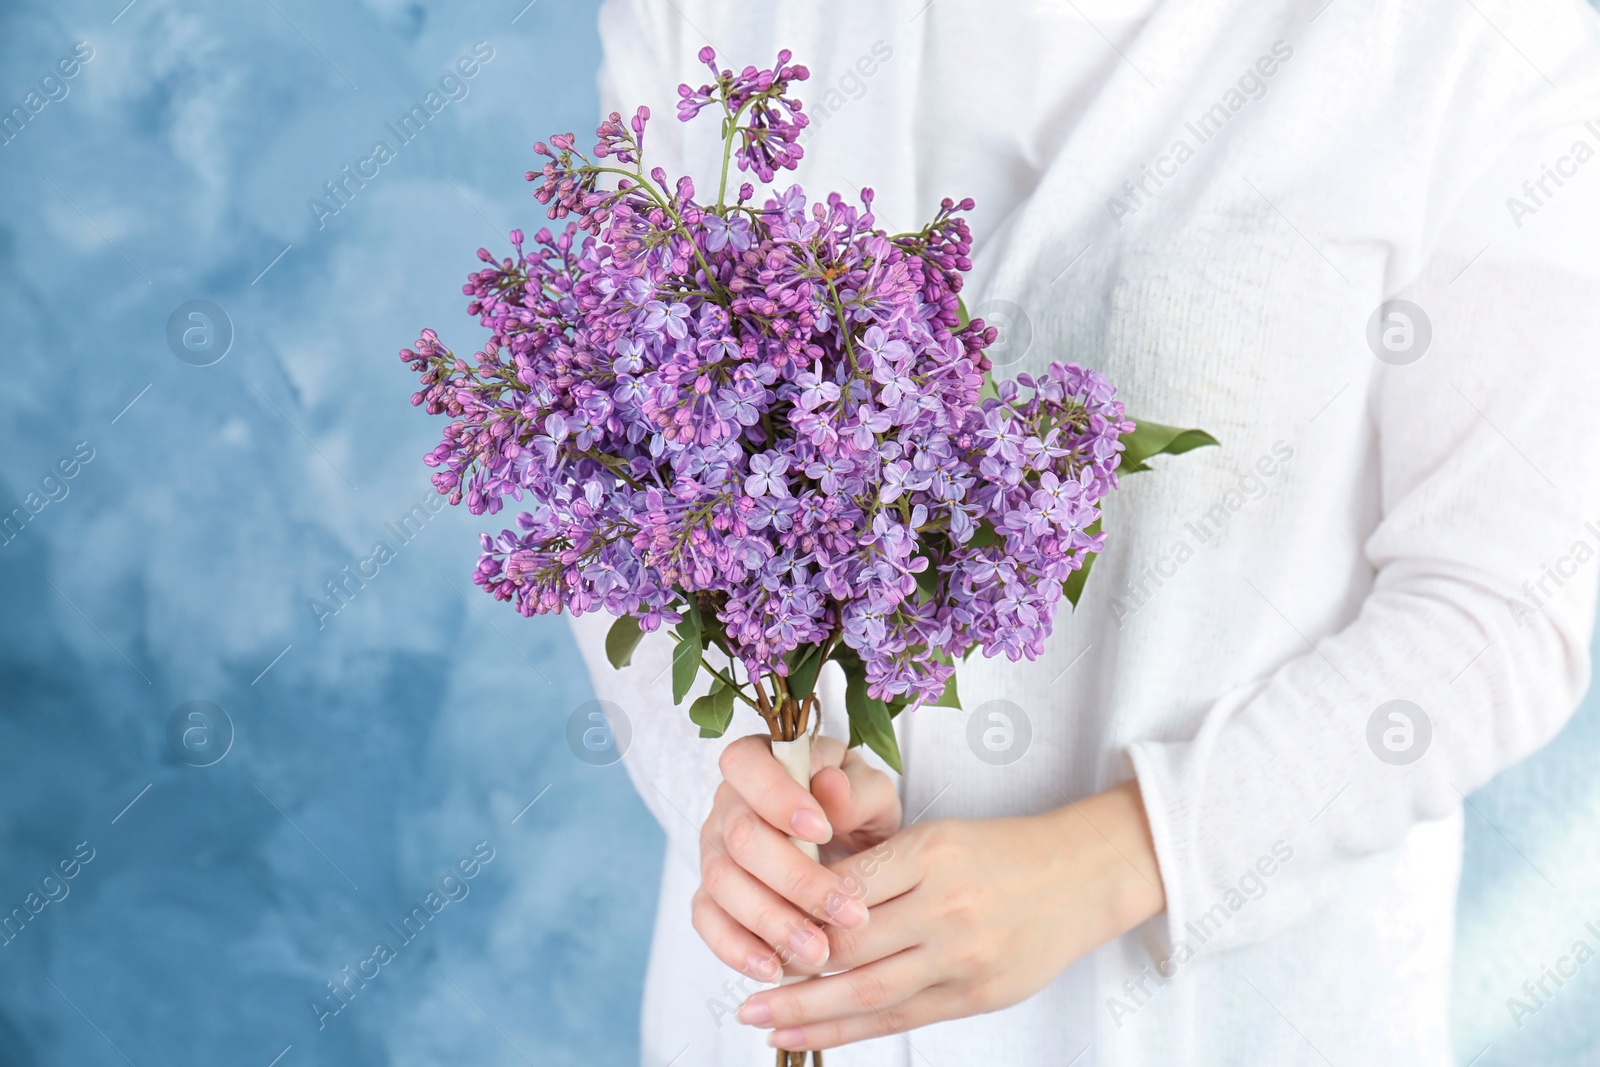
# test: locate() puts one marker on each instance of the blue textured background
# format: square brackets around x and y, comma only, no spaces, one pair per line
[184,556]
[373,751]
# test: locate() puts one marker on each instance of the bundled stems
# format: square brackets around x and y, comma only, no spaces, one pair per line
[786,717]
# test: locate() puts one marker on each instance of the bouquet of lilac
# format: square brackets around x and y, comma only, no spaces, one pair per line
[769,425]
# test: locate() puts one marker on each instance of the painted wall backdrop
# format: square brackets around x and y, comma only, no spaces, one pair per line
[252,713]
[225,469]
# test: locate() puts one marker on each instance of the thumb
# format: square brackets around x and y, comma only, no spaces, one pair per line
[854,795]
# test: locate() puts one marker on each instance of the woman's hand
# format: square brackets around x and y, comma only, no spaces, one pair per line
[761,902]
[970,916]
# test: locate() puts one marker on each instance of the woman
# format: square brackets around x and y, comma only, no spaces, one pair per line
[1219,821]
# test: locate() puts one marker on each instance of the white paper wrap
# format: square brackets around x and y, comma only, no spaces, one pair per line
[795,757]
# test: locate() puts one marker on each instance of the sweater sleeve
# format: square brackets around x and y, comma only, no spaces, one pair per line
[1485,558]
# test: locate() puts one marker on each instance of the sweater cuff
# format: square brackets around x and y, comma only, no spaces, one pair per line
[1168,807]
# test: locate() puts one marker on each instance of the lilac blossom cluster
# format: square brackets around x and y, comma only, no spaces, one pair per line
[776,411]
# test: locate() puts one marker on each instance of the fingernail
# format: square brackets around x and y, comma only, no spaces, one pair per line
[809,945]
[791,1038]
[810,826]
[845,911]
[763,968]
[755,1013]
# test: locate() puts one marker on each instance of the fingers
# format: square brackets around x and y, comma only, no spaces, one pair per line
[826,752]
[769,855]
[749,767]
[760,911]
[931,1006]
[885,871]
[801,1011]
[895,927]
[892,932]
[732,943]
[855,796]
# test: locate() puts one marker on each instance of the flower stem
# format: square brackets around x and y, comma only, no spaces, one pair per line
[727,145]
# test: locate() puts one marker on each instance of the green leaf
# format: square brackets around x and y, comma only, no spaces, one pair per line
[691,615]
[711,631]
[714,711]
[989,391]
[927,583]
[803,671]
[870,721]
[949,698]
[685,665]
[686,657]
[847,658]
[1153,439]
[962,317]
[714,634]
[1073,586]
[623,637]
[985,535]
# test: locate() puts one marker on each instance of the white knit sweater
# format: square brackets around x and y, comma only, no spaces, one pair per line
[1208,200]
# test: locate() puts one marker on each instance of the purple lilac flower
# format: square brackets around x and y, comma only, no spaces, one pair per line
[772,406]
